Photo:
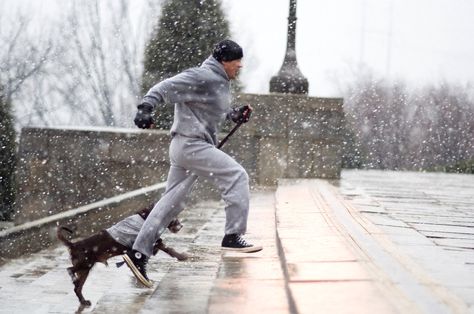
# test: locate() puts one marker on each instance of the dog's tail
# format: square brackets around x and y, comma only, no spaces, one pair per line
[62,237]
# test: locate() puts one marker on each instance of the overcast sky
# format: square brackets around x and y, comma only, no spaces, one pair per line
[420,41]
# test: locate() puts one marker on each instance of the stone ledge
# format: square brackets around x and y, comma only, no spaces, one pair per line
[61,168]
[38,234]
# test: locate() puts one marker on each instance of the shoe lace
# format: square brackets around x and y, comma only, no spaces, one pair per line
[242,241]
[144,264]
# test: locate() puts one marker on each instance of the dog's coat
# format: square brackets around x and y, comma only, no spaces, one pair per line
[102,246]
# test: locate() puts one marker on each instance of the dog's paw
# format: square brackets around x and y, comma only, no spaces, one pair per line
[86,303]
[175,225]
[182,257]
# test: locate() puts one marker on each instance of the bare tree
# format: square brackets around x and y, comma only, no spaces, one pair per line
[98,74]
[397,128]
[445,117]
[21,59]
[22,55]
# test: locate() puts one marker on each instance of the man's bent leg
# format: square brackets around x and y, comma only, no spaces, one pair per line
[205,160]
[166,209]
[233,182]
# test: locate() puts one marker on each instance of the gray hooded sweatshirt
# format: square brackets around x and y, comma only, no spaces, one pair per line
[201,98]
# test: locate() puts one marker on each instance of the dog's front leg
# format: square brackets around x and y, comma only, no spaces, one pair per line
[72,274]
[79,283]
[159,245]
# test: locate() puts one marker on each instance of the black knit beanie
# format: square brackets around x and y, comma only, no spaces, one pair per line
[227,50]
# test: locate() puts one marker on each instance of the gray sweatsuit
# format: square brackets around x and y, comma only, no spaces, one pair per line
[201,99]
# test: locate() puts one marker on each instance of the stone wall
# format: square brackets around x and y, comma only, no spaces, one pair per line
[295,136]
[83,221]
[64,168]
[289,136]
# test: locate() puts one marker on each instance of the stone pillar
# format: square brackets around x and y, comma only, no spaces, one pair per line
[296,136]
[289,79]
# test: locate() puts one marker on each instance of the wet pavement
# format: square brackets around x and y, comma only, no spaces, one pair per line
[427,220]
[372,242]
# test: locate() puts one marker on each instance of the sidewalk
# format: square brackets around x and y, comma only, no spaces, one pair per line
[212,281]
[426,220]
[329,247]
[327,271]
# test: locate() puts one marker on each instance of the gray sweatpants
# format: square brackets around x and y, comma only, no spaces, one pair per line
[126,230]
[191,158]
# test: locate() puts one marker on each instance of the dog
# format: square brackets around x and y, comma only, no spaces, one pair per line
[102,246]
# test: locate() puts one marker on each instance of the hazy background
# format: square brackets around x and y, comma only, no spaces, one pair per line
[404,69]
[416,40]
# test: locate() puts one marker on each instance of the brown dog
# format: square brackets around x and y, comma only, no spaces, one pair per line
[100,247]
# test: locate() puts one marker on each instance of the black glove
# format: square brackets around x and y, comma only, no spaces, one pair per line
[241,114]
[144,118]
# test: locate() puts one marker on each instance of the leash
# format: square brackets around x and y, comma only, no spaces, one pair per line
[236,127]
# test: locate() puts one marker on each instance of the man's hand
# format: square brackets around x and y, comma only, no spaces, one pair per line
[143,118]
[241,114]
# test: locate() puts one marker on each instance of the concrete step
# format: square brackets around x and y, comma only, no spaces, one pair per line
[346,262]
[326,270]
[223,282]
[321,255]
[211,281]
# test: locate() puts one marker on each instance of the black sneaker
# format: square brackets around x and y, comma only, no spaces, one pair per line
[136,261]
[235,242]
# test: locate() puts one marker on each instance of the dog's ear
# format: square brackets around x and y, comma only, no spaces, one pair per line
[71,228]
